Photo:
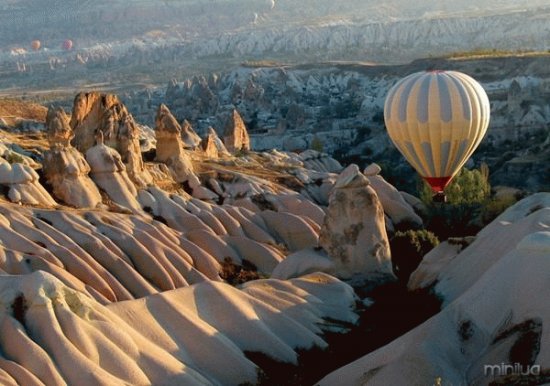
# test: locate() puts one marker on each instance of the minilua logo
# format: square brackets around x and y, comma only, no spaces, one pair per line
[510,369]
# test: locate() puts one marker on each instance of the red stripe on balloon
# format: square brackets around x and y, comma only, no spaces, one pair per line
[438,184]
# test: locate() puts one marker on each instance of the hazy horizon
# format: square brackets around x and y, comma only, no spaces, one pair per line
[88,22]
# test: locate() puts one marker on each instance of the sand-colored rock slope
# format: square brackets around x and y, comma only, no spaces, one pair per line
[53,335]
[495,311]
[115,271]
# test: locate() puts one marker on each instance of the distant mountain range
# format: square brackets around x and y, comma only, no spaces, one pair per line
[260,27]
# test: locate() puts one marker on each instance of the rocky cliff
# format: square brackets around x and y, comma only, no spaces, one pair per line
[338,108]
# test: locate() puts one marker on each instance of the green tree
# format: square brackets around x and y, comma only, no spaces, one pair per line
[408,248]
[460,215]
[467,187]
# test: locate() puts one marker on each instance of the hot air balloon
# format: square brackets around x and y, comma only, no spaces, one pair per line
[67,44]
[436,119]
[35,44]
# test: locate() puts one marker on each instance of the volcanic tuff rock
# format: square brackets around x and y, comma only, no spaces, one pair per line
[213,146]
[190,138]
[338,108]
[70,278]
[94,112]
[56,335]
[24,185]
[109,173]
[235,135]
[353,231]
[170,146]
[65,168]
[395,206]
[495,312]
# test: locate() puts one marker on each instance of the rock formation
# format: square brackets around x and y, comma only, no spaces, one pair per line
[353,232]
[170,146]
[190,138]
[109,173]
[320,162]
[94,112]
[452,275]
[213,146]
[56,335]
[23,184]
[395,206]
[65,168]
[495,311]
[235,135]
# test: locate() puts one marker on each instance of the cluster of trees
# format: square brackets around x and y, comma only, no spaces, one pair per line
[468,209]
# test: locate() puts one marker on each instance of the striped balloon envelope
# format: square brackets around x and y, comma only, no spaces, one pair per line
[436,119]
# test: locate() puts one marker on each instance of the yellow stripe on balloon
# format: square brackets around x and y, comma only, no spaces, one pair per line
[436,120]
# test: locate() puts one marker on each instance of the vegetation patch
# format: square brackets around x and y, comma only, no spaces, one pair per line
[235,274]
[408,248]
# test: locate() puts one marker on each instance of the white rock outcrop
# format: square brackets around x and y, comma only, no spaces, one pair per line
[109,174]
[170,146]
[235,135]
[23,184]
[65,168]
[52,334]
[495,313]
[353,231]
[495,240]
[399,210]
[95,112]
[191,139]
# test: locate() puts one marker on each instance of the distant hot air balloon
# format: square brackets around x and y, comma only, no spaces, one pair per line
[35,44]
[67,44]
[436,119]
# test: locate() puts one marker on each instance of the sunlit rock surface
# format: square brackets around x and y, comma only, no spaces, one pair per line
[353,232]
[65,167]
[494,311]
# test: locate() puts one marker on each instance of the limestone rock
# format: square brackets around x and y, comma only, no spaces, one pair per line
[235,135]
[65,168]
[94,112]
[353,231]
[170,146]
[109,173]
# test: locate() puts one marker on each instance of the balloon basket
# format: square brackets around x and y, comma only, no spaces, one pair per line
[439,197]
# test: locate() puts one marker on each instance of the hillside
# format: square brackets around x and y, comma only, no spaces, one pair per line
[132,255]
[120,45]
[338,106]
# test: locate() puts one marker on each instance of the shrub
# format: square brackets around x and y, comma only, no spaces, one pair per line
[460,215]
[14,158]
[494,207]
[408,248]
[467,187]
[317,144]
[235,274]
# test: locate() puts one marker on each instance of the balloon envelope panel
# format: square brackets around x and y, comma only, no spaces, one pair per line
[437,119]
[67,44]
[35,44]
